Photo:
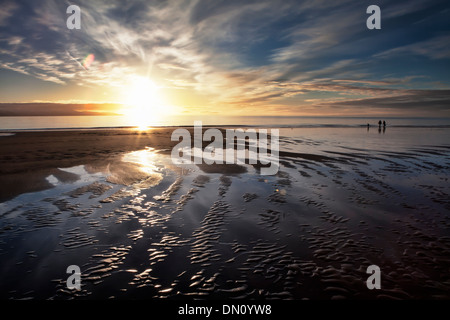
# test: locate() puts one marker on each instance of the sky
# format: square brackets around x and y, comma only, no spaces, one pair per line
[264,57]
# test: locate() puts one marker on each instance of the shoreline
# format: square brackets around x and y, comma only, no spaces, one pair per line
[262,126]
[123,128]
[28,157]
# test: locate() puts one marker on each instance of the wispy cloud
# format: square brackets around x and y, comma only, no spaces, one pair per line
[66,108]
[235,56]
[7,11]
[414,102]
[435,48]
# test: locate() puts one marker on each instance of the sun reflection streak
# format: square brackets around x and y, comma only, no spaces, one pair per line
[146,159]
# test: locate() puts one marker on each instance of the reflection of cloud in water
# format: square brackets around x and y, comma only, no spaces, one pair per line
[53,180]
[136,169]
[77,174]
[83,173]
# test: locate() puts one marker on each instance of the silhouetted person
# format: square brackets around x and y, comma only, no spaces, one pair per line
[368,126]
[384,124]
[379,123]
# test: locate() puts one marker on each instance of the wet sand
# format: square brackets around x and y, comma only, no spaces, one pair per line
[28,157]
[211,232]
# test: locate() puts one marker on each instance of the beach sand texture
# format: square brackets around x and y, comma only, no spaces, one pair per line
[112,202]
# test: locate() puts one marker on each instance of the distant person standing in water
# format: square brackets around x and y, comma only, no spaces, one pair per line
[384,123]
[379,123]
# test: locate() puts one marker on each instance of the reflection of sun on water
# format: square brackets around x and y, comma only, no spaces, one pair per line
[138,169]
[144,104]
[146,159]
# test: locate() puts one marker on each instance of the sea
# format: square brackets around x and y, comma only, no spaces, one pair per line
[87,122]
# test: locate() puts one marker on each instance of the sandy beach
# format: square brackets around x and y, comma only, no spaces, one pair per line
[112,202]
[28,157]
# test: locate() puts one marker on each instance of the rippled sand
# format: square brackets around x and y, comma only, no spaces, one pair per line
[143,228]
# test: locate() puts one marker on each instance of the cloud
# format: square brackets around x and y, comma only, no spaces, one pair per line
[417,102]
[57,109]
[236,56]
[435,48]
[8,9]
[367,82]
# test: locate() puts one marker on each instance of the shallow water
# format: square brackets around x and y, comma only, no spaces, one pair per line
[310,231]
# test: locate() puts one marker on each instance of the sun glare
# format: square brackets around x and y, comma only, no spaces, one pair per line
[144,105]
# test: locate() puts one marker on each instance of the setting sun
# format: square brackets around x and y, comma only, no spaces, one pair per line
[144,104]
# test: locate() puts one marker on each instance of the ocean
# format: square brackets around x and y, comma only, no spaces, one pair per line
[85,122]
